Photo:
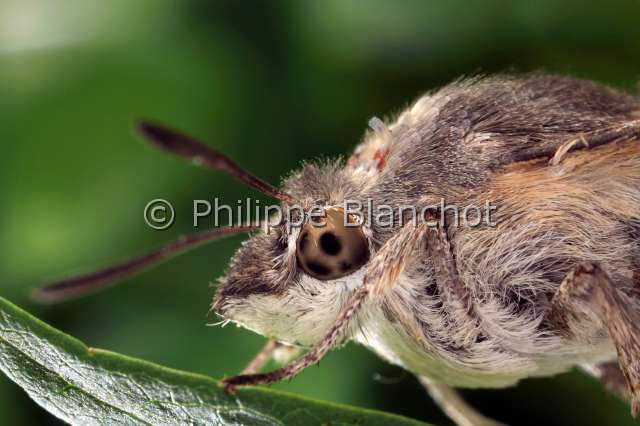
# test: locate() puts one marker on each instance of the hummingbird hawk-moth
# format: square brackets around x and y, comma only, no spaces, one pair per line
[553,284]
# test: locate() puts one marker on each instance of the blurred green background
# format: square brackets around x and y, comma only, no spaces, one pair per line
[271,84]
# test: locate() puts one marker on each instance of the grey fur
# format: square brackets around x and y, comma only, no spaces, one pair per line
[462,144]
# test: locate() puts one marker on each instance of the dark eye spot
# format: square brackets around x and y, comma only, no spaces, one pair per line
[330,244]
[318,268]
[345,266]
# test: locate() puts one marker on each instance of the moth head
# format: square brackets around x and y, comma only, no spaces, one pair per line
[289,284]
[290,281]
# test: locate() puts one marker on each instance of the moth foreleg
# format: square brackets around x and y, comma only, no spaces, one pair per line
[588,290]
[454,406]
[382,271]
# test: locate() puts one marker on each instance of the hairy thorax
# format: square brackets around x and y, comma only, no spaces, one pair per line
[548,218]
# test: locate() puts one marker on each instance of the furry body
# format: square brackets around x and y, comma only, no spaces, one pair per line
[467,143]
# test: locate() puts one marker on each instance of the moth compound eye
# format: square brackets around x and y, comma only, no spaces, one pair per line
[333,250]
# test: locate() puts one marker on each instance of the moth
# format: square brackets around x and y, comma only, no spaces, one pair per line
[553,284]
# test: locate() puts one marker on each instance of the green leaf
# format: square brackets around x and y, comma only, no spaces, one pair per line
[82,385]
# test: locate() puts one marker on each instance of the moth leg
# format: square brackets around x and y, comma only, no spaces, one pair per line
[273,349]
[625,131]
[261,358]
[382,271]
[629,130]
[456,297]
[586,291]
[313,356]
[564,149]
[611,377]
[285,353]
[454,406]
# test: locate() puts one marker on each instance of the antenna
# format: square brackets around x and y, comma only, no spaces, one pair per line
[200,154]
[74,287]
